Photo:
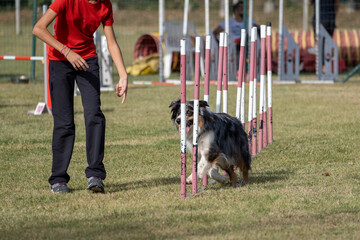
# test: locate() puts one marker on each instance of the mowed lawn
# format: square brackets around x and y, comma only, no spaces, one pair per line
[306,185]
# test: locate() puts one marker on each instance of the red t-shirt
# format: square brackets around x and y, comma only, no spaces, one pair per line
[75,24]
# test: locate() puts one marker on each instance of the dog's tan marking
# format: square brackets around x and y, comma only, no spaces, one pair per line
[201,122]
[232,175]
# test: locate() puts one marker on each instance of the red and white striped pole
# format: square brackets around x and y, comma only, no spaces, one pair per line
[251,87]
[206,83]
[240,96]
[254,112]
[26,58]
[46,71]
[225,75]
[242,112]
[219,75]
[207,67]
[265,136]
[196,114]
[269,82]
[262,83]
[183,116]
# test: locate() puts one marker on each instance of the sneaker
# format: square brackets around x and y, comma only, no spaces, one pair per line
[96,185]
[60,188]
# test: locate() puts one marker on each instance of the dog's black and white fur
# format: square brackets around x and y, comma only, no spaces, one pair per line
[222,142]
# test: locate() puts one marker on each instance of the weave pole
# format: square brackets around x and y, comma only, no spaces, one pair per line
[225,74]
[251,86]
[219,75]
[254,112]
[207,67]
[269,83]
[262,83]
[240,96]
[183,116]
[206,84]
[196,114]
[265,136]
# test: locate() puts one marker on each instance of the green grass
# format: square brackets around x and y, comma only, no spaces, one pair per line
[290,196]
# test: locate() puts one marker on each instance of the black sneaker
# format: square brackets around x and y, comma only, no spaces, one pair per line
[96,185]
[60,188]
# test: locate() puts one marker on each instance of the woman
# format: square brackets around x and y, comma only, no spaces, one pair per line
[72,57]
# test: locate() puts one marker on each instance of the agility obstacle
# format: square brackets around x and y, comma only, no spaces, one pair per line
[26,58]
[196,115]
[219,75]
[262,83]
[183,116]
[251,87]
[269,81]
[240,96]
[41,107]
[256,144]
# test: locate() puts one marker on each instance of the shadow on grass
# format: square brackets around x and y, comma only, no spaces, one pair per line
[142,184]
[258,178]
[15,105]
[267,177]
[254,178]
[104,110]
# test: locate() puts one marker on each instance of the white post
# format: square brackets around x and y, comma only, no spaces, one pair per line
[226,10]
[17,17]
[249,28]
[250,16]
[185,23]
[305,15]
[207,18]
[317,31]
[281,52]
[161,37]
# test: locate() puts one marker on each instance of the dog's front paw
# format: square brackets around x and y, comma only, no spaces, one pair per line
[239,184]
[214,174]
[189,180]
[221,179]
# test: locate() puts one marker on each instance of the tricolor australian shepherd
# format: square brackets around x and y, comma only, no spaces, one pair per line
[222,142]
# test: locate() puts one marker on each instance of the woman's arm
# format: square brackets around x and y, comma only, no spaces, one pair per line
[40,30]
[114,49]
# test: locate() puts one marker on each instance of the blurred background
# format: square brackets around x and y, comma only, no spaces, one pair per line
[134,18]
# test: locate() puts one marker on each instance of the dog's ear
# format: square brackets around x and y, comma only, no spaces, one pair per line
[174,103]
[175,108]
[205,112]
[203,104]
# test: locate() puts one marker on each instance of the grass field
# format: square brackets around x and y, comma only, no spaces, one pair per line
[306,185]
